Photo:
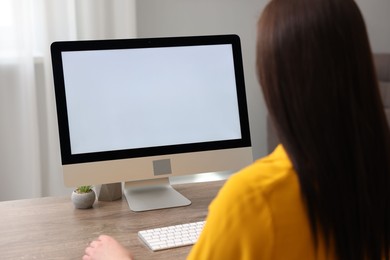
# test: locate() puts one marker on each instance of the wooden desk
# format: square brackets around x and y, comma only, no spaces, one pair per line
[51,228]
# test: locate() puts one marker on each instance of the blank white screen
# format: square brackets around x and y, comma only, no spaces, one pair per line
[136,98]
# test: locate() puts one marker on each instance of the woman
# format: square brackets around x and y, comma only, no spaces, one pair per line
[324,193]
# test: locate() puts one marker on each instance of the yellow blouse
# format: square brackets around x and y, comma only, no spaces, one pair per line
[259,214]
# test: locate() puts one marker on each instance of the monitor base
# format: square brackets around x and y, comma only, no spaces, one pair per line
[153,194]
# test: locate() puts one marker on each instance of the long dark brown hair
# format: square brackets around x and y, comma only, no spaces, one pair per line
[319,83]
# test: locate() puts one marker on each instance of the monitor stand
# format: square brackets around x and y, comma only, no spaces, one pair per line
[153,194]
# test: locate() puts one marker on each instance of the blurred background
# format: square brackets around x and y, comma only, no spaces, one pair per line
[30,164]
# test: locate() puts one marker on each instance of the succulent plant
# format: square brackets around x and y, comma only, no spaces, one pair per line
[84,189]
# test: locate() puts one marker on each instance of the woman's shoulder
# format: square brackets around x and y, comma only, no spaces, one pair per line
[264,176]
[242,219]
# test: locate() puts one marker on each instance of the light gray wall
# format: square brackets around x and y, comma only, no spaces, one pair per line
[185,17]
[376,14]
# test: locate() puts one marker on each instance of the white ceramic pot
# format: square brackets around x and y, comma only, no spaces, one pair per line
[83,200]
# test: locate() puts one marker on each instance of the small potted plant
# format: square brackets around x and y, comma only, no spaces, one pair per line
[83,197]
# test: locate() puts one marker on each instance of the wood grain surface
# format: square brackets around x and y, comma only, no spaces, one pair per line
[51,228]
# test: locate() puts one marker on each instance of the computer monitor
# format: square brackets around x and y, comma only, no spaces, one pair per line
[138,111]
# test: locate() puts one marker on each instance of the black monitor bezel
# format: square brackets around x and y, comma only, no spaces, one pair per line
[62,115]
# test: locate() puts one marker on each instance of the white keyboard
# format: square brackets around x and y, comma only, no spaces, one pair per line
[171,236]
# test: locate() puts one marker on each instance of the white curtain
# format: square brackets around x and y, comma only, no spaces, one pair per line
[29,148]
